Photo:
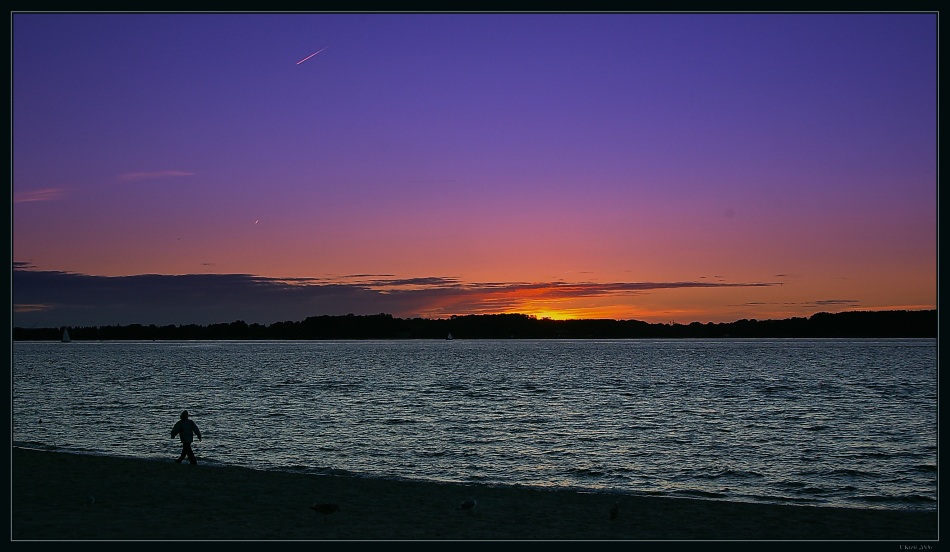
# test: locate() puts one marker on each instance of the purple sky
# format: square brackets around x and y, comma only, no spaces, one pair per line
[185,168]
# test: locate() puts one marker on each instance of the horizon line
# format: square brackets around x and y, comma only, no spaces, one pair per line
[526,315]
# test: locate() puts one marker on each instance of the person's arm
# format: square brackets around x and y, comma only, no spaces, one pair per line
[197,431]
[176,429]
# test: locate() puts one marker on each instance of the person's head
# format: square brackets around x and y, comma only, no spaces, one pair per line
[184,414]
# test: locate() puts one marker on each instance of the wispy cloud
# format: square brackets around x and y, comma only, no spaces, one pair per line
[811,304]
[835,303]
[137,176]
[46,194]
[30,308]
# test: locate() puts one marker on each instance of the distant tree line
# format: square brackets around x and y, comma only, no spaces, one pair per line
[856,324]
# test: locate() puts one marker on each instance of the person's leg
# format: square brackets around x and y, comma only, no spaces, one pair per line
[183,453]
[191,454]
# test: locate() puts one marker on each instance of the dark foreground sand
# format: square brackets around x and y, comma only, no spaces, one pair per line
[148,500]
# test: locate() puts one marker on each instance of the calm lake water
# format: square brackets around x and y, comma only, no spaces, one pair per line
[816,422]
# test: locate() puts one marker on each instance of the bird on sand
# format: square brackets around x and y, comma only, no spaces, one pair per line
[325,508]
[467,505]
[614,510]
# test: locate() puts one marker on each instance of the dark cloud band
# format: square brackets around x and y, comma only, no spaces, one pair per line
[53,298]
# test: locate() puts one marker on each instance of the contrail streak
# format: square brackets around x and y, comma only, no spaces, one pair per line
[311,55]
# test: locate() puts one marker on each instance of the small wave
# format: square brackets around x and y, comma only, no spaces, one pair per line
[721,474]
[877,454]
[336,471]
[398,421]
[784,499]
[331,385]
[926,468]
[32,445]
[918,499]
[776,389]
[297,468]
[850,473]
[701,494]
[518,430]
[912,499]
[740,474]
[642,427]
[803,488]
[586,472]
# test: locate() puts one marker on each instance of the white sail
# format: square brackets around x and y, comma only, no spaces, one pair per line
[65,335]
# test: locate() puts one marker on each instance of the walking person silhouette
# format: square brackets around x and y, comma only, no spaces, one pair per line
[187,429]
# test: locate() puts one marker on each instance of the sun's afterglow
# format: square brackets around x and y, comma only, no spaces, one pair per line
[551,314]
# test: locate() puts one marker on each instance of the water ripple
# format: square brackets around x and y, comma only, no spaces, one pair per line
[786,421]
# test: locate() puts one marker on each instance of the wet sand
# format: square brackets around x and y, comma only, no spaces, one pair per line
[58,496]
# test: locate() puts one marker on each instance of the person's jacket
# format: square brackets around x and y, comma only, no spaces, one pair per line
[187,429]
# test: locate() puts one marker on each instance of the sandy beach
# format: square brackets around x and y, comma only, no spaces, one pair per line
[57,496]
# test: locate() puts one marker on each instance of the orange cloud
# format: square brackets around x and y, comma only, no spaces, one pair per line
[551,300]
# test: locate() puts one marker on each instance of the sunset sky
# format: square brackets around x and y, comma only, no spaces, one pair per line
[200,168]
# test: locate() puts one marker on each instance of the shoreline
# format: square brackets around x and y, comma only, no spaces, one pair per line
[65,496]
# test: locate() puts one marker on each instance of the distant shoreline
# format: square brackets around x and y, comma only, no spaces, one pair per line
[63,496]
[850,324]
